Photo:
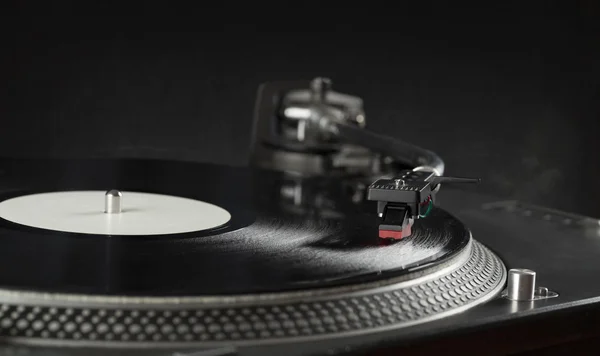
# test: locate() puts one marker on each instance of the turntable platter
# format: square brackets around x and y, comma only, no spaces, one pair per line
[292,261]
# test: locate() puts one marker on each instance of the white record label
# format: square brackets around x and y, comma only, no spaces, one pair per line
[142,213]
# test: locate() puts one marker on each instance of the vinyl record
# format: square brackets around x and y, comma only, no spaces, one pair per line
[259,232]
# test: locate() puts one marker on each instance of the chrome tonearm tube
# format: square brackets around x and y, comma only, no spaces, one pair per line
[320,114]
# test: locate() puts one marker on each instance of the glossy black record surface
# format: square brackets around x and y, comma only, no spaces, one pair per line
[285,234]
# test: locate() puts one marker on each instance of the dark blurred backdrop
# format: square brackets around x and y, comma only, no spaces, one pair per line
[506,92]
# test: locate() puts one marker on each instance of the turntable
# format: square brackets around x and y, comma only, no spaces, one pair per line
[334,240]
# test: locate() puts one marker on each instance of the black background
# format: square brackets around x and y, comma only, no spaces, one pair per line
[505,92]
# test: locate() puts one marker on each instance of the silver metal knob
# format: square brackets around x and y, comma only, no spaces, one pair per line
[113,202]
[521,284]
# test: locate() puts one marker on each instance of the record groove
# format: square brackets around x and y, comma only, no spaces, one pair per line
[264,248]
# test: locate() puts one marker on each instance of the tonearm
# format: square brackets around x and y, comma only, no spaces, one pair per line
[306,128]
